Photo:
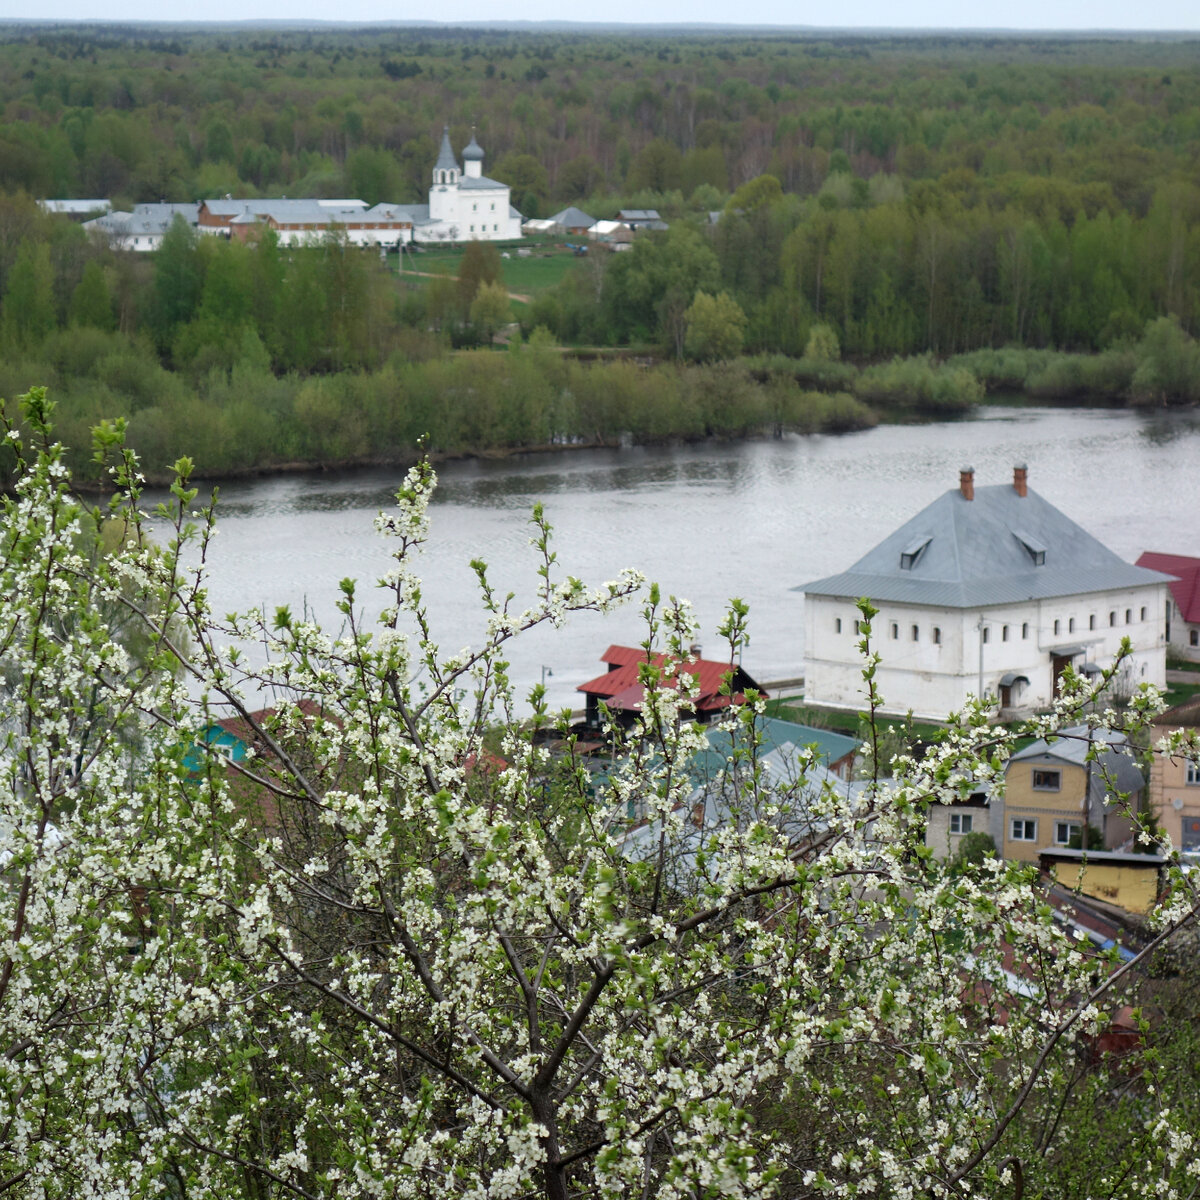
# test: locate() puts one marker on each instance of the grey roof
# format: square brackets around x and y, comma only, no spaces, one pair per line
[797,812]
[281,207]
[480,181]
[982,552]
[146,219]
[573,218]
[472,151]
[1114,767]
[75,207]
[639,214]
[446,160]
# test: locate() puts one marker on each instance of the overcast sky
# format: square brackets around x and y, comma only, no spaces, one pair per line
[916,14]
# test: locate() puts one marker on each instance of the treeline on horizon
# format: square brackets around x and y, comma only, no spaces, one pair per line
[902,223]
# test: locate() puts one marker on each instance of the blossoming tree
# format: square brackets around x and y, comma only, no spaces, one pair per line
[400,951]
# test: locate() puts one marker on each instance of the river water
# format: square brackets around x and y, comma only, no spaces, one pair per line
[710,521]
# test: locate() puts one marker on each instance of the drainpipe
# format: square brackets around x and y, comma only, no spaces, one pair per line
[979,627]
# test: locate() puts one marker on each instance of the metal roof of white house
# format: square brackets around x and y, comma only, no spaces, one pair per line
[982,552]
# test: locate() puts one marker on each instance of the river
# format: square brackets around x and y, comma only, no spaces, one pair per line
[748,519]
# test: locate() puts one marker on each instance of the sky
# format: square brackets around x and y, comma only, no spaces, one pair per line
[1073,15]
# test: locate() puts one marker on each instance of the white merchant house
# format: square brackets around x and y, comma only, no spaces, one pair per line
[987,591]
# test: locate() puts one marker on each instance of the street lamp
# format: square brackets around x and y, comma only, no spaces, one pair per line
[546,672]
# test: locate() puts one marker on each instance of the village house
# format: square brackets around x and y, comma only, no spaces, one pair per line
[620,690]
[642,219]
[1174,793]
[1055,788]
[947,824]
[1183,604]
[987,591]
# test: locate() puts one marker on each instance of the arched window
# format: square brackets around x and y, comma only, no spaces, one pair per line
[937,636]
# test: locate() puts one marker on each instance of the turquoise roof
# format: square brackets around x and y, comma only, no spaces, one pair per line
[775,733]
[218,739]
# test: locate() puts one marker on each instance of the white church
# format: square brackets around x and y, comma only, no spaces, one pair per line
[464,204]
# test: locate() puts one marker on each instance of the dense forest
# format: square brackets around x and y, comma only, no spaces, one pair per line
[1008,204]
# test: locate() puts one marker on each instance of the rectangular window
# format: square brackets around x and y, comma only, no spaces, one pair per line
[1022,831]
[895,631]
[960,822]
[937,636]
[1064,831]
[1194,637]
[1025,630]
[1143,614]
[1129,616]
[916,633]
[986,631]
[472,228]
[1193,774]
[837,624]
[1004,633]
[1092,621]
[1046,781]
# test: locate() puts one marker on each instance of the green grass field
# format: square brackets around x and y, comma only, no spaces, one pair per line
[542,270]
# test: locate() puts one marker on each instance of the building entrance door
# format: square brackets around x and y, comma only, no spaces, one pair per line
[1058,664]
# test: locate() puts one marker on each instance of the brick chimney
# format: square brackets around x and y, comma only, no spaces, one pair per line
[966,483]
[1021,480]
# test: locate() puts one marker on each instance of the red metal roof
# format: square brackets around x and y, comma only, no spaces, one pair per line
[1186,588]
[619,687]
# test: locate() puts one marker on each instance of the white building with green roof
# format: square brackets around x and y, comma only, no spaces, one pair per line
[988,590]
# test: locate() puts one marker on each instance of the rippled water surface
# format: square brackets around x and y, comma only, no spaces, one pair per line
[752,519]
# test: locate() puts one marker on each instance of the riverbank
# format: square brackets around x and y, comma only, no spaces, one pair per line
[246,421]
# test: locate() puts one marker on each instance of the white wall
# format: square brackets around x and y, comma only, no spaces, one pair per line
[935,677]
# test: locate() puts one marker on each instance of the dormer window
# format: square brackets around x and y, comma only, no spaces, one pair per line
[911,554]
[1034,548]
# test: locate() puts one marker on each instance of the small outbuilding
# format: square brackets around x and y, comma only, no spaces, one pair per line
[1130,881]
[572,221]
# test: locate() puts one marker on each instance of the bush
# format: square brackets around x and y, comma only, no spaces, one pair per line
[973,848]
[1168,366]
[919,383]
